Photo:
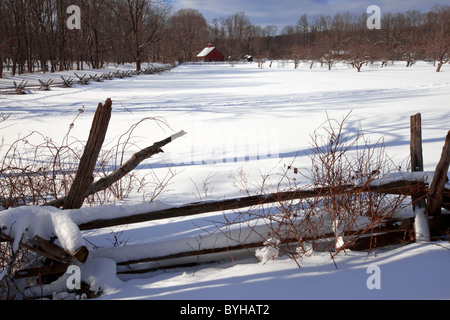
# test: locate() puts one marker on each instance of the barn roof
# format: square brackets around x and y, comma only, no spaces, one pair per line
[205,51]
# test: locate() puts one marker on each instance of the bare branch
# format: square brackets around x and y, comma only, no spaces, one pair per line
[127,167]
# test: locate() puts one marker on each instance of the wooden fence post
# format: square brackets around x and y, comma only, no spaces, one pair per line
[416,143]
[419,205]
[417,154]
[84,177]
[436,194]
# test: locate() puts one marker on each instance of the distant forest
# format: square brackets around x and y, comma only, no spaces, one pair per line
[34,36]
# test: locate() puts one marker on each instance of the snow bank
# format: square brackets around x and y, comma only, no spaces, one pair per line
[403,276]
[269,252]
[98,273]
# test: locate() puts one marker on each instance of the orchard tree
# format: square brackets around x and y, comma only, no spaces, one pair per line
[298,53]
[439,42]
[358,54]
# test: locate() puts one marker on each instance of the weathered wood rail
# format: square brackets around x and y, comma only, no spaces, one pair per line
[401,187]
[20,88]
[45,86]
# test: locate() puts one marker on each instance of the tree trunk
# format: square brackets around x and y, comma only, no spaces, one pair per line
[138,62]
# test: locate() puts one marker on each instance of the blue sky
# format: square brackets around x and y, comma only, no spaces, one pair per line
[287,12]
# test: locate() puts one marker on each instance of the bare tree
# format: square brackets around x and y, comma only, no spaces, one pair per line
[95,32]
[189,32]
[147,22]
[438,19]
[3,45]
[298,53]
[238,30]
[326,51]
[358,55]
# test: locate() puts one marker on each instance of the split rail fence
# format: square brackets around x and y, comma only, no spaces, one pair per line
[389,231]
[68,82]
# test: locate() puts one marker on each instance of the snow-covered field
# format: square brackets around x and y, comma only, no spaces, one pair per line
[256,120]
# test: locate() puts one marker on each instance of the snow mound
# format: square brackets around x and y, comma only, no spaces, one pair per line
[24,223]
[98,273]
[269,252]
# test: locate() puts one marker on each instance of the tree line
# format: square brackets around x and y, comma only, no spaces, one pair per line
[34,36]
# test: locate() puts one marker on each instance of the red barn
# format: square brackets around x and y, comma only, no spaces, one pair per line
[210,54]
